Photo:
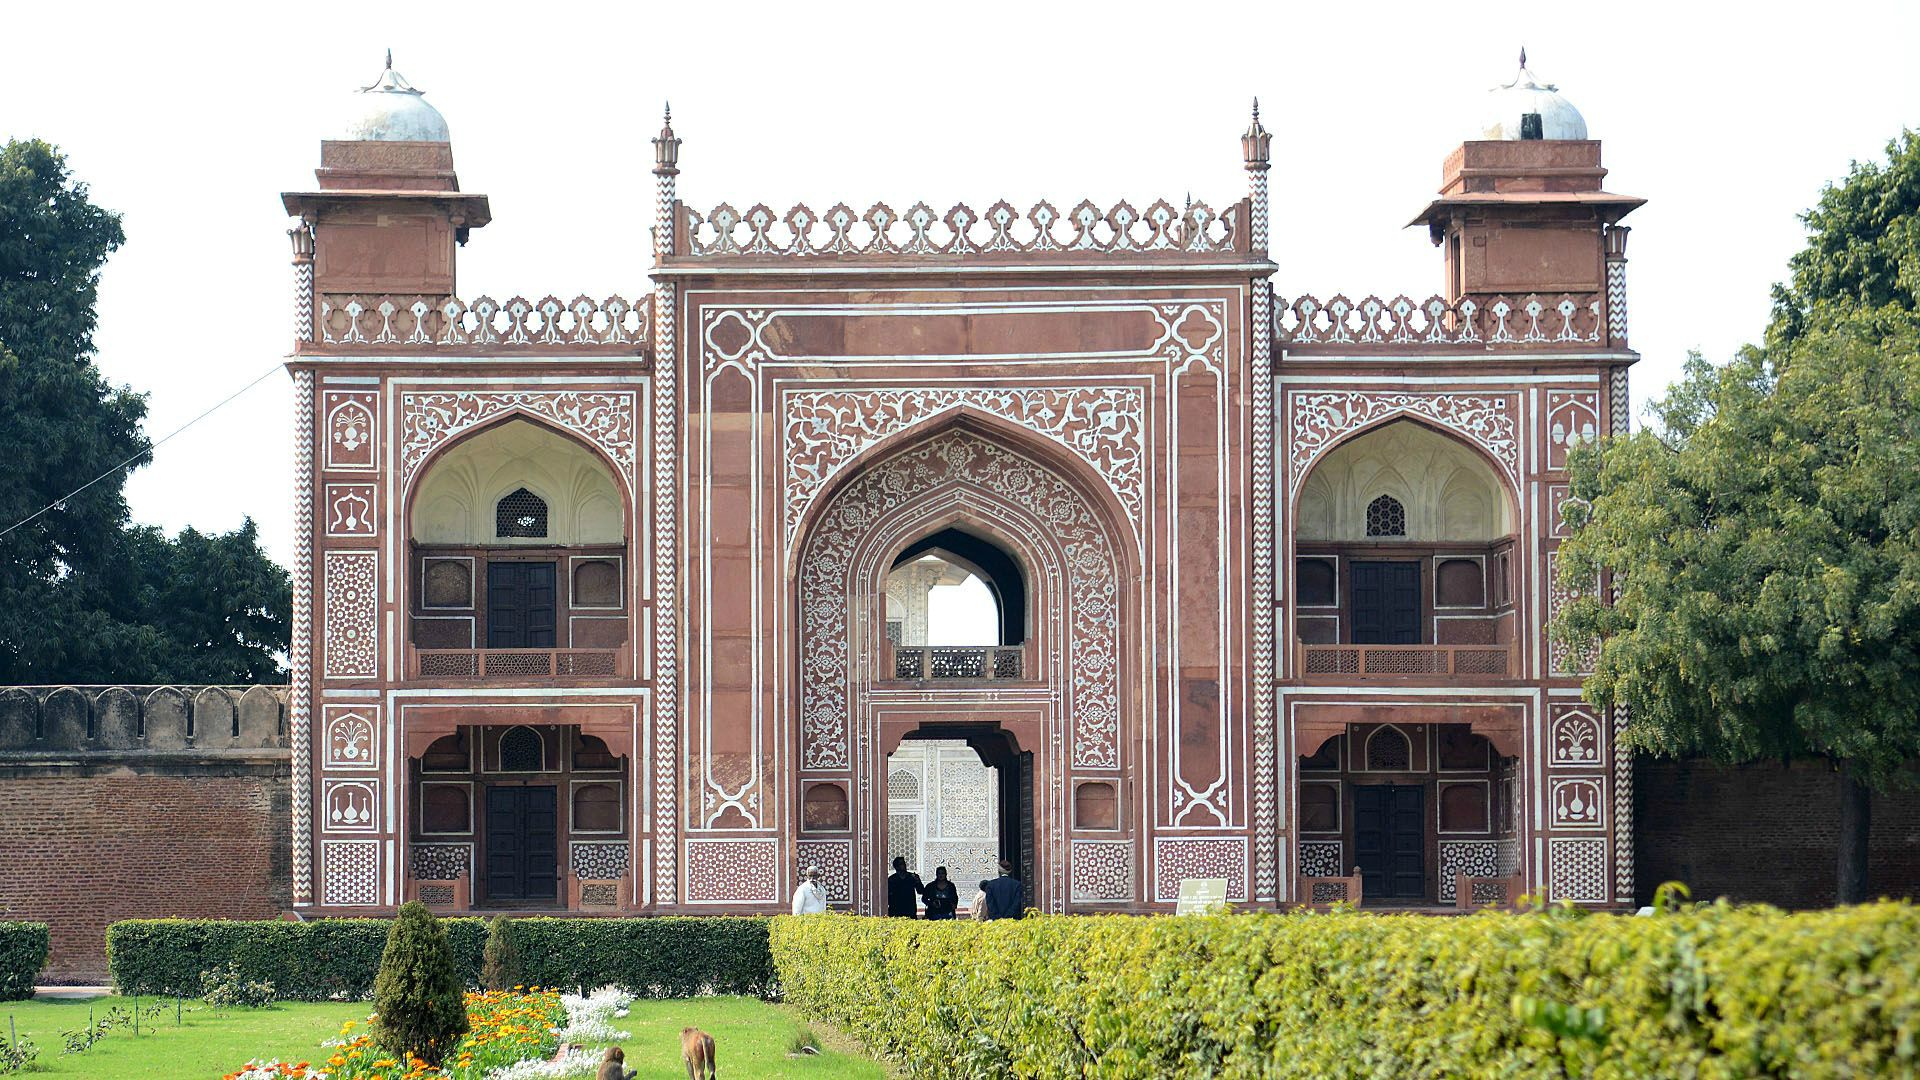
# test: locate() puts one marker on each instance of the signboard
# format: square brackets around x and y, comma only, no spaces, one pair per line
[1198,896]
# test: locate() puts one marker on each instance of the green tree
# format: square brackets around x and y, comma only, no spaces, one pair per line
[1764,546]
[1862,257]
[84,596]
[500,965]
[419,1005]
[1764,536]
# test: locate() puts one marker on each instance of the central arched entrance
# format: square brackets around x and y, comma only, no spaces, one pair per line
[1047,704]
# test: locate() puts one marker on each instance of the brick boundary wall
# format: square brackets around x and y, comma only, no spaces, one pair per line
[140,802]
[1762,833]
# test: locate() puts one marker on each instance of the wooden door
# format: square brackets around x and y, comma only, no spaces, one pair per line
[1385,602]
[521,605]
[522,844]
[1390,840]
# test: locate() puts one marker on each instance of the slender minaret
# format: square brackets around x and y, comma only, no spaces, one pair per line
[666,436]
[1255,146]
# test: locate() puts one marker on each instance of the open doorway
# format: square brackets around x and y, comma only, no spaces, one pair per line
[960,796]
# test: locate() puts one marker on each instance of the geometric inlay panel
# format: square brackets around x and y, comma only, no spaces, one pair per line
[349,873]
[439,862]
[1474,858]
[601,862]
[1577,870]
[1102,870]
[350,600]
[1175,859]
[731,871]
[835,860]
[1320,858]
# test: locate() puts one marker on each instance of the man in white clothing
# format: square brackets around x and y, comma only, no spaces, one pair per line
[810,898]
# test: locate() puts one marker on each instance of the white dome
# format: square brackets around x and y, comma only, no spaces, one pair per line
[391,110]
[1526,96]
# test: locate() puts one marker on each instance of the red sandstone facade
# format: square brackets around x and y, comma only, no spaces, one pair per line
[589,593]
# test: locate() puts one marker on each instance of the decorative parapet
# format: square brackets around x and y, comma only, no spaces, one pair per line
[42,722]
[399,323]
[1003,234]
[1538,322]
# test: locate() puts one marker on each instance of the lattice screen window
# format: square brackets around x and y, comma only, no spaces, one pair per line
[521,750]
[1386,517]
[903,786]
[520,513]
[1388,750]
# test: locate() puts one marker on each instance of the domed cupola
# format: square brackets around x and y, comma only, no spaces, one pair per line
[391,110]
[1528,109]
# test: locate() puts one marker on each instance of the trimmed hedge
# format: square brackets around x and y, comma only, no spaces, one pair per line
[23,952]
[668,956]
[1717,991]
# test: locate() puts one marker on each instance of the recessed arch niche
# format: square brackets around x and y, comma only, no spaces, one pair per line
[1446,490]
[457,499]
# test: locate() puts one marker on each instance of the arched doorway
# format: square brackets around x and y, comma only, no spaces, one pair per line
[955,796]
[1063,708]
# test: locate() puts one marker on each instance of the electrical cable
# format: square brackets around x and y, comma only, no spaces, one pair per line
[61,502]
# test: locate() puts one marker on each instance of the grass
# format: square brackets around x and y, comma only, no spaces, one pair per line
[750,1039]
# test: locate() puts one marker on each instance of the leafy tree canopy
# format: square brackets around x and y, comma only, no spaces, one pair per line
[1765,546]
[84,595]
[1863,248]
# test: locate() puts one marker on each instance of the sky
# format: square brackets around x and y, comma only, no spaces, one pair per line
[190,119]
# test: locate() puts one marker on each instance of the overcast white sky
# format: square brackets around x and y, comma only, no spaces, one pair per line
[191,119]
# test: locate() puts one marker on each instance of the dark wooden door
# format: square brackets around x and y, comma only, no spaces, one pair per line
[520,605]
[1028,864]
[1390,840]
[522,844]
[1385,602]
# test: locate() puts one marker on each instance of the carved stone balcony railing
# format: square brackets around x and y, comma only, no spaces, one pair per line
[1001,234]
[518,664]
[399,323]
[958,662]
[1532,322]
[1400,661]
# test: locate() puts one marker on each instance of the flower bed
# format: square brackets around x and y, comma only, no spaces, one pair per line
[515,1035]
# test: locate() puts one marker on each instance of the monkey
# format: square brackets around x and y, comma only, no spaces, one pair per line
[613,1066]
[696,1049]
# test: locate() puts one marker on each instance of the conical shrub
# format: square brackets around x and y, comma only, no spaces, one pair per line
[500,964]
[420,1005]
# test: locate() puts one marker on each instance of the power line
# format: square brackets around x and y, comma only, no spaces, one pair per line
[61,502]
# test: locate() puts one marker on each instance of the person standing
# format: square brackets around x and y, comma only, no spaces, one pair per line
[810,898]
[903,890]
[977,907]
[1006,897]
[942,896]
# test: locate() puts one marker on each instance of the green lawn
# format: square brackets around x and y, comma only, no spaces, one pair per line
[750,1039]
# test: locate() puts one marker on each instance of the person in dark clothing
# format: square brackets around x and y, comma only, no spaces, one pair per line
[903,888]
[943,898]
[1005,895]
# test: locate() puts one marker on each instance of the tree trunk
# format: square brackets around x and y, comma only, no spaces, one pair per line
[1855,819]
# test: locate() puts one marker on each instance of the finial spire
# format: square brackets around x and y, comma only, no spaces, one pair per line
[1254,145]
[389,59]
[666,146]
[1523,56]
